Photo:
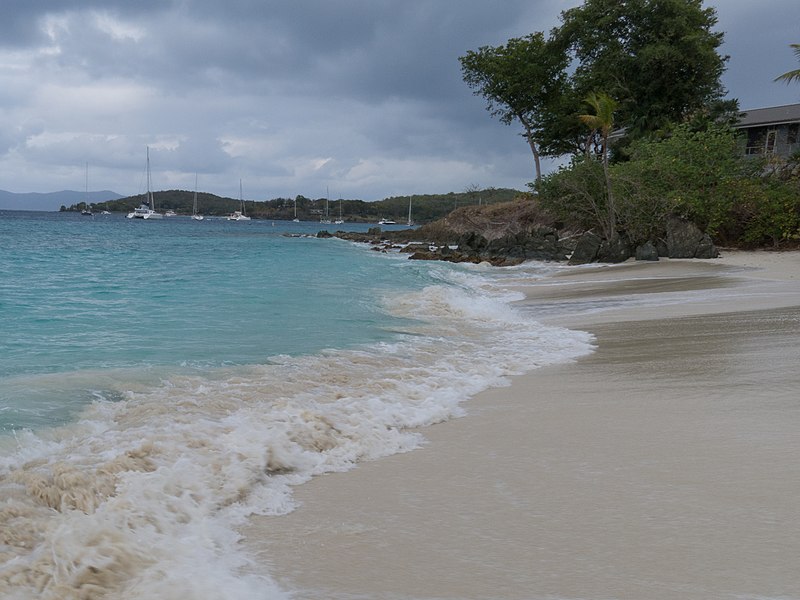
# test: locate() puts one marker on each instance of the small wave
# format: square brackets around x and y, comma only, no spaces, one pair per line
[141,497]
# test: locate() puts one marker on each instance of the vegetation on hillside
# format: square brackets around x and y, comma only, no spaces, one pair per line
[424,207]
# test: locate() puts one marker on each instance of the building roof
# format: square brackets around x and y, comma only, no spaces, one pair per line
[773,115]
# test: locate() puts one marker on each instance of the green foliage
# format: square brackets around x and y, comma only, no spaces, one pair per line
[602,121]
[658,57]
[689,173]
[793,75]
[699,175]
[764,211]
[576,195]
[521,81]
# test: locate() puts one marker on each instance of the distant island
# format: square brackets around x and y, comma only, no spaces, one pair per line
[424,207]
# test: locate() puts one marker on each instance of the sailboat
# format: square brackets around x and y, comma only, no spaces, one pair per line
[238,215]
[295,220]
[410,222]
[195,215]
[326,220]
[340,220]
[146,210]
[86,210]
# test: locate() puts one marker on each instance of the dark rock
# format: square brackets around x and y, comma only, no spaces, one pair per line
[615,250]
[646,251]
[586,249]
[706,248]
[472,242]
[685,240]
[324,234]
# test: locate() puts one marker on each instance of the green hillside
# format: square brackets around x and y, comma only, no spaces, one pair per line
[424,207]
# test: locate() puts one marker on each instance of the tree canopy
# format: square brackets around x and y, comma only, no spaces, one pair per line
[657,58]
[520,81]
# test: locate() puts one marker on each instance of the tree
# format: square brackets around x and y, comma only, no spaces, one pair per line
[657,57]
[791,75]
[520,82]
[602,121]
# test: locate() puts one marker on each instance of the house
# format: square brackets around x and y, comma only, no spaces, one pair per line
[774,130]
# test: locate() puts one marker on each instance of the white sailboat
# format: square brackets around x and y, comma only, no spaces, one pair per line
[238,215]
[86,210]
[195,215]
[295,220]
[146,210]
[410,222]
[326,220]
[340,220]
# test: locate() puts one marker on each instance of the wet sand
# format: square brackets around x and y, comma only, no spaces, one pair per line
[666,465]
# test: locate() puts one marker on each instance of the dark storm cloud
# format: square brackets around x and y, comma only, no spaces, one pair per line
[364,96]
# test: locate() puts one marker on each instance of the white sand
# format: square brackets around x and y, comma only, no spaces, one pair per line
[666,465]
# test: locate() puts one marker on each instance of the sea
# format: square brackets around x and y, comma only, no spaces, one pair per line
[162,381]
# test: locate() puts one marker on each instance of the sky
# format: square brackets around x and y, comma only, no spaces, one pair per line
[346,98]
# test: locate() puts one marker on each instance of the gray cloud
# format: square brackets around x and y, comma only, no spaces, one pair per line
[362,96]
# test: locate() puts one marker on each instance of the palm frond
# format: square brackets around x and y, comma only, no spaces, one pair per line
[793,75]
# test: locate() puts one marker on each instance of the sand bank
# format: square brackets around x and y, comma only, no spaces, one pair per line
[663,466]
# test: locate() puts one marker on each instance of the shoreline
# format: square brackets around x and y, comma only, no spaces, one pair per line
[661,466]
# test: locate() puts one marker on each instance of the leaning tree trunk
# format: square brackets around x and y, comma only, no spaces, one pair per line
[534,149]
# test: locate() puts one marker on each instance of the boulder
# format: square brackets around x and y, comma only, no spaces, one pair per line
[685,240]
[646,251]
[586,249]
[615,250]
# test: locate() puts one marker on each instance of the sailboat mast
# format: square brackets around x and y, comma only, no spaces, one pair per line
[149,192]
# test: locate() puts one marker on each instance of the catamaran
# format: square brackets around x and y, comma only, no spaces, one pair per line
[238,215]
[146,210]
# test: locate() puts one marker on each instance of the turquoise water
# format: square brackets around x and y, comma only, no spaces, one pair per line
[161,381]
[81,294]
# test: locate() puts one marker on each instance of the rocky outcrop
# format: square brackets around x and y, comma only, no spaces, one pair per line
[685,240]
[516,232]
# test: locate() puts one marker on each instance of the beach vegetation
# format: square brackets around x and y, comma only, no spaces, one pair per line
[661,143]
[600,122]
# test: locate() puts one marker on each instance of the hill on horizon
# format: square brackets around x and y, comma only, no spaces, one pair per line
[51,201]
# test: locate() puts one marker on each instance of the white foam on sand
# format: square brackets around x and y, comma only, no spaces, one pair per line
[141,497]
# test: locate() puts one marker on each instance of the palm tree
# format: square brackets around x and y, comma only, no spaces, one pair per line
[603,121]
[791,75]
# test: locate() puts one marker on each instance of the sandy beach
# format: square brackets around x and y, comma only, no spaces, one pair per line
[662,466]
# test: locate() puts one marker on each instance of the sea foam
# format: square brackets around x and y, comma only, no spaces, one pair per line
[141,497]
